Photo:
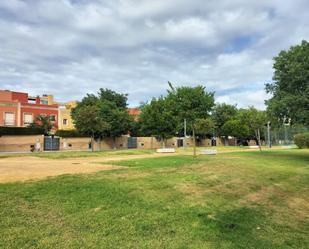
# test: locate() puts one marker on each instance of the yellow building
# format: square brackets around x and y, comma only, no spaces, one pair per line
[47,99]
[65,121]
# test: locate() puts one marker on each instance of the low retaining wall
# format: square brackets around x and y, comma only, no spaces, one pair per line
[28,143]
[20,143]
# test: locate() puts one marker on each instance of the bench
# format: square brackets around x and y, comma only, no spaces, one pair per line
[166,150]
[253,147]
[209,152]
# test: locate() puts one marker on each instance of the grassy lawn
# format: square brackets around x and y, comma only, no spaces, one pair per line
[232,200]
[76,154]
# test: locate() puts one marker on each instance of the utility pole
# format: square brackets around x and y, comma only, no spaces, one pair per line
[268,134]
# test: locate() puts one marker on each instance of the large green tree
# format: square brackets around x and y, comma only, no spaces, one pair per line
[157,119]
[255,120]
[290,86]
[190,104]
[235,128]
[88,121]
[110,114]
[221,114]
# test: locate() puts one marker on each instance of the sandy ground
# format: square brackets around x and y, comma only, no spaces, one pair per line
[13,169]
[34,168]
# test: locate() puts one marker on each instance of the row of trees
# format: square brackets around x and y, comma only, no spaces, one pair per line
[166,116]
[105,114]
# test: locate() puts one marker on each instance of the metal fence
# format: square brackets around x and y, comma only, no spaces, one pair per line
[284,135]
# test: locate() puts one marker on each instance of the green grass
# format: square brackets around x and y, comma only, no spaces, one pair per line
[76,154]
[233,200]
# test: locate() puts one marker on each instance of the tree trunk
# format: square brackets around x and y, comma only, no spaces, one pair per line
[114,143]
[258,137]
[163,143]
[226,141]
[92,143]
[194,143]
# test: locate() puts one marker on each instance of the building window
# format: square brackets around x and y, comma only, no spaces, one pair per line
[65,121]
[31,101]
[52,117]
[9,118]
[28,118]
[44,102]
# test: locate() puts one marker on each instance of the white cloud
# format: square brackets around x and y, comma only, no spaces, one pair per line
[69,48]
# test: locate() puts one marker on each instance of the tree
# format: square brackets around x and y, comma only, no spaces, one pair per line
[223,113]
[290,86]
[109,113]
[43,122]
[235,128]
[190,104]
[157,119]
[255,121]
[204,127]
[88,121]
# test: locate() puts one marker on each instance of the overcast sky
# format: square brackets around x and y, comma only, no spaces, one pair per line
[72,47]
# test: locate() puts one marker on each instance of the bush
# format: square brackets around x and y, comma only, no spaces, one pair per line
[69,133]
[20,131]
[302,140]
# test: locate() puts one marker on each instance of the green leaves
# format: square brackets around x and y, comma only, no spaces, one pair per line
[290,86]
[42,122]
[163,117]
[157,118]
[204,126]
[191,103]
[223,113]
[102,115]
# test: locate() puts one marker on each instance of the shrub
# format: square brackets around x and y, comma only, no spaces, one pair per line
[69,133]
[302,140]
[20,131]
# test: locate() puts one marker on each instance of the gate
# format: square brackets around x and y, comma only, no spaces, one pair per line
[132,142]
[179,143]
[51,143]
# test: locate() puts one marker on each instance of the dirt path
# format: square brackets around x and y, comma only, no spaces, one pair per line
[33,168]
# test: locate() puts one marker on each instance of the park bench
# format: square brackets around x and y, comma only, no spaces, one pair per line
[253,147]
[209,152]
[166,150]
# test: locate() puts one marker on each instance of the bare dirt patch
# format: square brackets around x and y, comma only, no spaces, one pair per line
[34,168]
[300,207]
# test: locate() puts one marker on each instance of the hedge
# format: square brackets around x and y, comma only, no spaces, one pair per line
[20,131]
[302,140]
[69,133]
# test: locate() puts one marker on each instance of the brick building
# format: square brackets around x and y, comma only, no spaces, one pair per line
[19,109]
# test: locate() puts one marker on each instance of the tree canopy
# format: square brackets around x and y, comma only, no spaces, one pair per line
[157,118]
[190,103]
[104,114]
[43,122]
[221,114]
[290,86]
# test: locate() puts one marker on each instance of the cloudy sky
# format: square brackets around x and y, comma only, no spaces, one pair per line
[72,47]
